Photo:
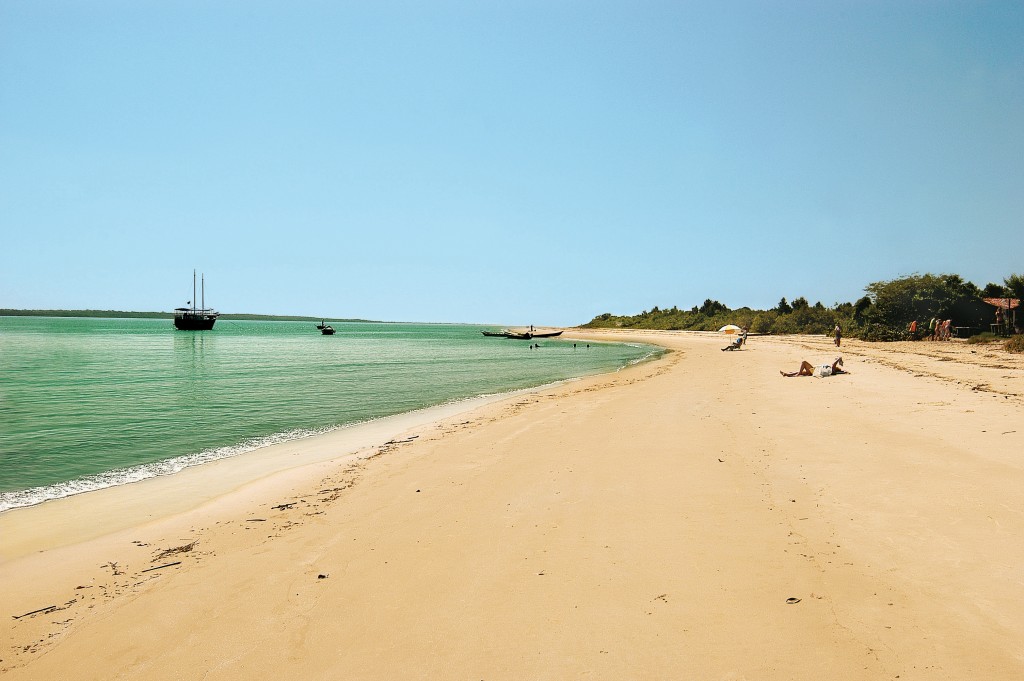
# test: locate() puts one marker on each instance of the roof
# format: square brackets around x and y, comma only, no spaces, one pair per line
[1005,303]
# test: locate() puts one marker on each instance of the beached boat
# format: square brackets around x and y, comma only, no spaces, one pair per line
[531,335]
[525,335]
[195,318]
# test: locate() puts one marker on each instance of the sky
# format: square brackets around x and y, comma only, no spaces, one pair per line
[483,161]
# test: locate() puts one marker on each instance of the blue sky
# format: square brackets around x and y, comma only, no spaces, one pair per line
[503,162]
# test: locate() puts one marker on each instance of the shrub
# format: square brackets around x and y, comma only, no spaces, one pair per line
[881,332]
[1015,344]
[984,337]
[763,322]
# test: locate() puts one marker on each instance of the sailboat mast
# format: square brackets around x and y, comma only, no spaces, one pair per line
[203,280]
[193,290]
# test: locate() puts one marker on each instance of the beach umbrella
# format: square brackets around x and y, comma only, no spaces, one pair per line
[730,328]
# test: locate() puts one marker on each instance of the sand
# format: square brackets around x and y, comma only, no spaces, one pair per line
[696,517]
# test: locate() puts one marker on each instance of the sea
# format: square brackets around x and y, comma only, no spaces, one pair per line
[89,403]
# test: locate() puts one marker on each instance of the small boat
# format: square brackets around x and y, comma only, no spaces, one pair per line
[193,318]
[530,335]
[522,335]
[325,329]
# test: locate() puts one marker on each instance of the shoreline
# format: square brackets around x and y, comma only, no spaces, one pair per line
[93,513]
[37,490]
[656,522]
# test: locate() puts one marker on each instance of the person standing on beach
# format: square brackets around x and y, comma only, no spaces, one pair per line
[931,328]
[913,330]
[838,334]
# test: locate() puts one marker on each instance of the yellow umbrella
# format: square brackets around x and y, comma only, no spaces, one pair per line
[730,328]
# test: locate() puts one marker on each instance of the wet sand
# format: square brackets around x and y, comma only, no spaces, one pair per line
[694,517]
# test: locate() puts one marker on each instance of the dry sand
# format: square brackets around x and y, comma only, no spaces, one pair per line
[696,517]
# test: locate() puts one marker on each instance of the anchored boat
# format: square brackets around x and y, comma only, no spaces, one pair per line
[195,318]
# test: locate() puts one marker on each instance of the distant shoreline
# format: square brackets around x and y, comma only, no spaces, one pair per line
[121,314]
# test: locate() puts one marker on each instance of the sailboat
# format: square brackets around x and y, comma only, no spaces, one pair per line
[193,318]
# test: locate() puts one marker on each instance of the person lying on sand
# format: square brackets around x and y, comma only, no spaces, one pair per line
[808,369]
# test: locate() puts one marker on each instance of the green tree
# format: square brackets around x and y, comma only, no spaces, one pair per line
[861,308]
[993,291]
[1015,285]
[712,307]
[898,302]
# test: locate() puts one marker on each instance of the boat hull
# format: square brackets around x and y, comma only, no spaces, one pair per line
[527,335]
[194,322]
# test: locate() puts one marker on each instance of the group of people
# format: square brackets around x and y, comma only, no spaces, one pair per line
[938,330]
[806,368]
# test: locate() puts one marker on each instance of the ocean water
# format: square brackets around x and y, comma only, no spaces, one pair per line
[90,403]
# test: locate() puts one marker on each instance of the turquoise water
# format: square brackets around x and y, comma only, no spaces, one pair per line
[90,403]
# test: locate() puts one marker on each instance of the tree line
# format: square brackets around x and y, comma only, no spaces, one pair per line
[884,313]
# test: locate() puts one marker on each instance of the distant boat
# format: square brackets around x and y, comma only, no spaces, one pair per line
[548,334]
[325,329]
[193,318]
[496,334]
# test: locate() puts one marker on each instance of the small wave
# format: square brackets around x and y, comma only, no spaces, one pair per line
[122,476]
[128,475]
[652,353]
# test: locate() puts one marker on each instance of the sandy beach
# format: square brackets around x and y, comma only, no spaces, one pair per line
[694,517]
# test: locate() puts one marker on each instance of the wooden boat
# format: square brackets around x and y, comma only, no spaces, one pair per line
[195,318]
[525,335]
[530,335]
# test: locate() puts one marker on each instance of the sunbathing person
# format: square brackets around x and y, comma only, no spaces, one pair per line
[737,342]
[808,369]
